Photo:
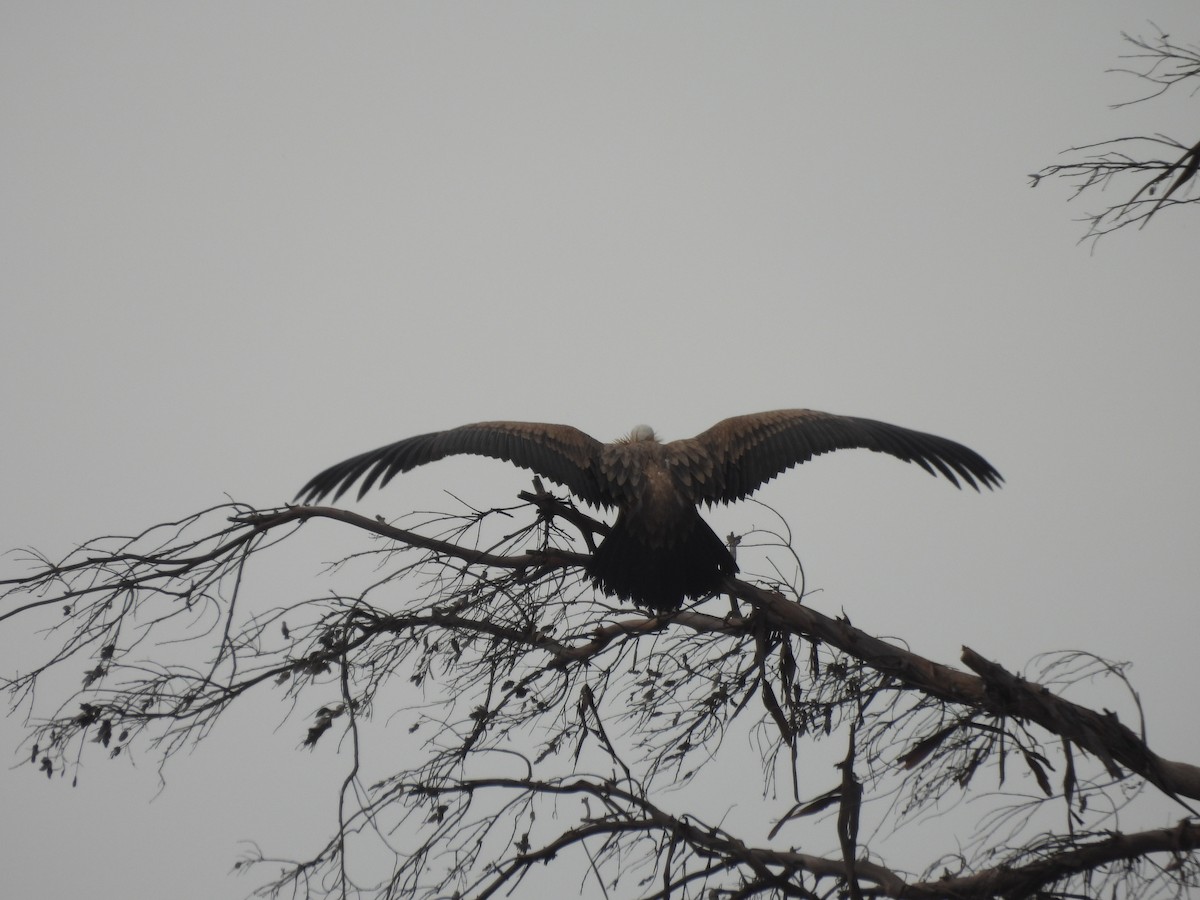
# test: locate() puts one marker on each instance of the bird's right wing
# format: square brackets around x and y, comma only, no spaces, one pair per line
[737,456]
[561,453]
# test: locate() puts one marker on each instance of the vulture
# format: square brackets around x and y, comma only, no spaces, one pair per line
[659,551]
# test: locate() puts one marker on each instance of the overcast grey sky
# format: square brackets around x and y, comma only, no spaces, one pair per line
[243,241]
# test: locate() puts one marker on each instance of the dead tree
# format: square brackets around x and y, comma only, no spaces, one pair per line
[1153,172]
[546,728]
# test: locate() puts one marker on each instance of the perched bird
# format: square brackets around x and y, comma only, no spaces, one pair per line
[660,551]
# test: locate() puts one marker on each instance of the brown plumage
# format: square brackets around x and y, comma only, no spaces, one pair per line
[660,551]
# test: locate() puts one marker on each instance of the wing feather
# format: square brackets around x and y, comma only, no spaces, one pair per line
[745,452]
[561,453]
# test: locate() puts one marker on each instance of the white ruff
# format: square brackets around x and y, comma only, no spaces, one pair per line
[642,433]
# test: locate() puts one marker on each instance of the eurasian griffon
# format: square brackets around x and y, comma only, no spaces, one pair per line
[660,551]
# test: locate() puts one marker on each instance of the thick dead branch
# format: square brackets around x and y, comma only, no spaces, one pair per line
[627,812]
[993,691]
[1102,735]
[1055,863]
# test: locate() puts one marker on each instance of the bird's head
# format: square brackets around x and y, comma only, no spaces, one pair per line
[641,433]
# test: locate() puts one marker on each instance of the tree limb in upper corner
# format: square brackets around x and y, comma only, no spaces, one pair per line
[1156,171]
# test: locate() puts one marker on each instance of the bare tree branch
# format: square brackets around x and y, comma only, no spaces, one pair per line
[593,715]
[1136,165]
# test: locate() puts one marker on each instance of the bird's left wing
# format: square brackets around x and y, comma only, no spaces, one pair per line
[561,453]
[743,453]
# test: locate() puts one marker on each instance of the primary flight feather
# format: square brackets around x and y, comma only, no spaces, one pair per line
[660,551]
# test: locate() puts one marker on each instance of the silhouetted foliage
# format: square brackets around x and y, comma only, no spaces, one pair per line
[536,725]
[1153,171]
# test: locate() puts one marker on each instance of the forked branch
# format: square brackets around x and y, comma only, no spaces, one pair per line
[1155,171]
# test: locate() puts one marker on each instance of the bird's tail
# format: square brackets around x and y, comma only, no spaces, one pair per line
[661,577]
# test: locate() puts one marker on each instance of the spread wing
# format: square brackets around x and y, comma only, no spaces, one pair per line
[737,456]
[561,453]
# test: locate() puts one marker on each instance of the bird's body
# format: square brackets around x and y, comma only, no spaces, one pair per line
[660,551]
